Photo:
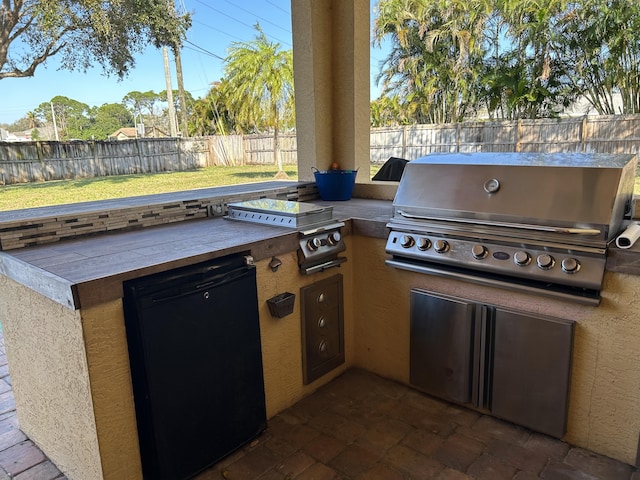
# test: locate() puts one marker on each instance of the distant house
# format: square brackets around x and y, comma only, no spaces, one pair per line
[130,133]
[126,133]
[6,136]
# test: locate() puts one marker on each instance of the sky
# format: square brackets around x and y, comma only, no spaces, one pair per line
[216,25]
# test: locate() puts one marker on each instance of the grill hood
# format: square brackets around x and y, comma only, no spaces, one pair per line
[580,196]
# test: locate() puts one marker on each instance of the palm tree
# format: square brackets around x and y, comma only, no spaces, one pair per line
[32,118]
[259,87]
[435,56]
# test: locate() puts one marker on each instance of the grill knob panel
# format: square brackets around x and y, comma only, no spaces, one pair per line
[570,265]
[334,238]
[479,252]
[407,241]
[521,258]
[441,246]
[545,261]
[314,243]
[424,244]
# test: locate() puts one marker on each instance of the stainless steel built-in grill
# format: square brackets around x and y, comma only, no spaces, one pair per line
[320,237]
[538,222]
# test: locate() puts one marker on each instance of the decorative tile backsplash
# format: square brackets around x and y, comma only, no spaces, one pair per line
[37,231]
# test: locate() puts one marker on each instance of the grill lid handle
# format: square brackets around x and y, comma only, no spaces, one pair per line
[539,228]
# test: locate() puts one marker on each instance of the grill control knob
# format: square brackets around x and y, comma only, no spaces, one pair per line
[424,243]
[545,262]
[334,238]
[314,243]
[521,258]
[441,246]
[570,265]
[407,241]
[479,251]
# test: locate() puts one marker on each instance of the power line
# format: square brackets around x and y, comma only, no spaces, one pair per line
[278,7]
[218,30]
[239,21]
[261,18]
[203,50]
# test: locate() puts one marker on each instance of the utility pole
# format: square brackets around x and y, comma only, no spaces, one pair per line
[55,126]
[183,99]
[172,110]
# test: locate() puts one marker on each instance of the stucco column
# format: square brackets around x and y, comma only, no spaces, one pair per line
[331,72]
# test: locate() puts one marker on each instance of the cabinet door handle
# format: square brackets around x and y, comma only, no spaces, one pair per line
[482,359]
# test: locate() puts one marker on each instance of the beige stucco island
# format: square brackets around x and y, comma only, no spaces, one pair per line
[61,301]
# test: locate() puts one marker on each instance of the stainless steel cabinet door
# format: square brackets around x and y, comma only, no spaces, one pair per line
[531,370]
[442,336]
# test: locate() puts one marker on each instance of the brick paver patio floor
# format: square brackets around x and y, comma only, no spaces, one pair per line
[360,426]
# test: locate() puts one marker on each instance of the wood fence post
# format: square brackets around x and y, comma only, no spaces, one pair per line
[404,141]
[583,133]
[39,150]
[139,159]
[95,159]
[518,133]
[458,129]
[244,150]
[178,144]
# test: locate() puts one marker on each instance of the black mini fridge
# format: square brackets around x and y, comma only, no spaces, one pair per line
[196,365]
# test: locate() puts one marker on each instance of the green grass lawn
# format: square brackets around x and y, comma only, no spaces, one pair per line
[27,195]
[58,192]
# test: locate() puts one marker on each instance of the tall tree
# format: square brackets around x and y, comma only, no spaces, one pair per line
[531,78]
[210,114]
[259,87]
[142,106]
[189,102]
[436,48]
[451,58]
[601,37]
[83,33]
[105,120]
[72,116]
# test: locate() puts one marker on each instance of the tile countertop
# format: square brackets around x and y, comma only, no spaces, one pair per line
[87,271]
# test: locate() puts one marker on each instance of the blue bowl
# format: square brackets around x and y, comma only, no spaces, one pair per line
[335,184]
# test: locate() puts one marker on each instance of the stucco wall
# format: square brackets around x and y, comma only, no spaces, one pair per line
[111,390]
[49,373]
[281,337]
[604,410]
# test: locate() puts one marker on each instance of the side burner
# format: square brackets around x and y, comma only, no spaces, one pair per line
[320,237]
[280,213]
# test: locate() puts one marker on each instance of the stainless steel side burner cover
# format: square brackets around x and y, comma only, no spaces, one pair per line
[320,239]
[280,213]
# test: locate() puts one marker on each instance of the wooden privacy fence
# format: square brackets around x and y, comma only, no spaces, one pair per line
[597,134]
[22,162]
[41,161]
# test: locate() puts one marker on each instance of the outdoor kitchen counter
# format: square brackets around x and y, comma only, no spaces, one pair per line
[88,271]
